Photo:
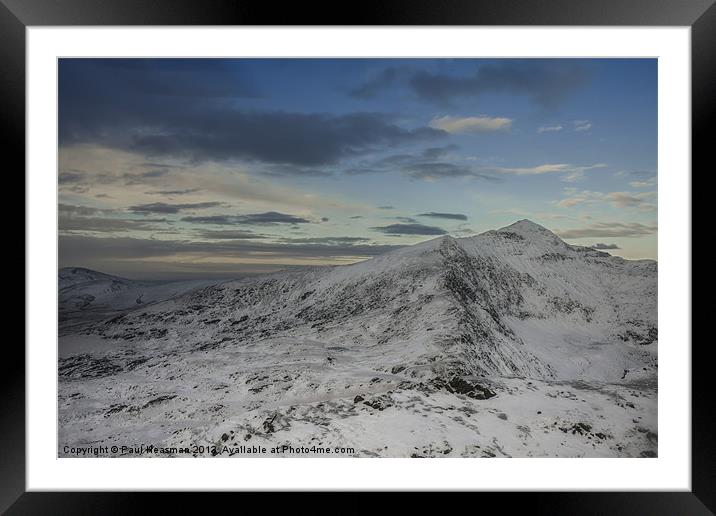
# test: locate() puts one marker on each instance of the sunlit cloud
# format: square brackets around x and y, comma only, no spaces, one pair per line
[471,124]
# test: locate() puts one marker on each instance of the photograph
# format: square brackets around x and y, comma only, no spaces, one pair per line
[425,257]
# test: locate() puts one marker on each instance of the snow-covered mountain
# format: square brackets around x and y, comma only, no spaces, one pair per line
[441,334]
[85,294]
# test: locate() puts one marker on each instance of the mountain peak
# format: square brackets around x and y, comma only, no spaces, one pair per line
[524,225]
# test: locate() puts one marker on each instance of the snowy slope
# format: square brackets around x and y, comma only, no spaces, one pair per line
[497,323]
[85,294]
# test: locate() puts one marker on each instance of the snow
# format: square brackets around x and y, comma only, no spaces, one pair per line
[564,336]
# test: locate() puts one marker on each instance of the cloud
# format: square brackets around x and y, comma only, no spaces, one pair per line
[229,235]
[173,192]
[423,166]
[268,218]
[570,173]
[294,170]
[550,128]
[432,153]
[80,211]
[186,109]
[627,200]
[605,246]
[410,229]
[643,201]
[70,176]
[106,224]
[92,219]
[608,230]
[643,184]
[437,170]
[451,216]
[471,124]
[408,220]
[160,207]
[335,240]
[201,124]
[386,207]
[547,83]
[643,175]
[116,252]
[380,81]
[548,168]
[582,125]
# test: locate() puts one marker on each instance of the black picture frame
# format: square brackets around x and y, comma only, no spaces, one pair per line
[17,15]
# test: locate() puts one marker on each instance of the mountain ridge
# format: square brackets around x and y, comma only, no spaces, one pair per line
[463,316]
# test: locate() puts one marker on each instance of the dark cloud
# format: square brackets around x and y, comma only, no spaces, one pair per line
[105,224]
[325,240]
[395,160]
[439,170]
[406,219]
[104,252]
[451,216]
[375,85]
[188,111]
[161,207]
[410,229]
[355,171]
[70,176]
[230,235]
[605,246]
[432,153]
[268,218]
[293,170]
[606,230]
[173,192]
[545,82]
[420,167]
[154,173]
[130,178]
[357,217]
[275,137]
[166,166]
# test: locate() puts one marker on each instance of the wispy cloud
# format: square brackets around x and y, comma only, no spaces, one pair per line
[471,124]
[607,230]
[96,252]
[648,183]
[550,128]
[582,125]
[570,173]
[376,84]
[230,235]
[643,201]
[546,83]
[161,207]
[450,216]
[410,229]
[268,218]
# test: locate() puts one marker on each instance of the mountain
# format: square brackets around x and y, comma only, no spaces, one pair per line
[443,332]
[85,294]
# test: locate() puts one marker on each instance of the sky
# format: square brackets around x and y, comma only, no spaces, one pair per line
[173,168]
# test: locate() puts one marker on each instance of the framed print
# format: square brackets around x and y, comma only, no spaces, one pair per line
[445,248]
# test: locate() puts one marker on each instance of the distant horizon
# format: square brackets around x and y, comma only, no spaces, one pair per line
[213,167]
[229,274]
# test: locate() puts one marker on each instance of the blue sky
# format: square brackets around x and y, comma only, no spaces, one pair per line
[191,167]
